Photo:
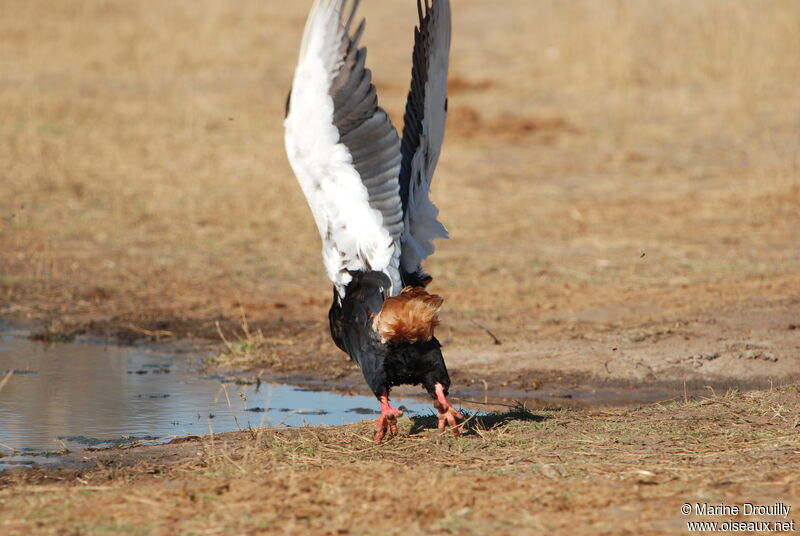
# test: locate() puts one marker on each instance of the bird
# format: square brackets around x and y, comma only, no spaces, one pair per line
[369,193]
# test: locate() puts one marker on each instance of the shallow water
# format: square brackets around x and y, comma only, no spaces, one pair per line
[86,394]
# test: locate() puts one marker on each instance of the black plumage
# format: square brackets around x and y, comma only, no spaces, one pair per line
[383,365]
[415,103]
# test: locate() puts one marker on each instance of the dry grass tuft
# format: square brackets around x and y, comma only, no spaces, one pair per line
[250,348]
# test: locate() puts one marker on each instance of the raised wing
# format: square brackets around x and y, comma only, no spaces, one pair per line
[343,148]
[423,134]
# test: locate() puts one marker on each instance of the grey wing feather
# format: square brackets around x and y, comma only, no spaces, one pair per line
[366,130]
[415,104]
[423,134]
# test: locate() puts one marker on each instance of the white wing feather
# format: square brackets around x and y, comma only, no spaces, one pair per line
[331,119]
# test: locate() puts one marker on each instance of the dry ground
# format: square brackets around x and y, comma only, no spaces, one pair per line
[621,182]
[544,472]
[622,185]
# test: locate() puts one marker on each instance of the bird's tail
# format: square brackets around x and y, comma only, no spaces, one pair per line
[410,316]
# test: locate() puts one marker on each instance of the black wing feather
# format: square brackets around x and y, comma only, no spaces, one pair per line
[415,104]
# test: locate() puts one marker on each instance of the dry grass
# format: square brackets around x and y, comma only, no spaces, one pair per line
[613,471]
[248,347]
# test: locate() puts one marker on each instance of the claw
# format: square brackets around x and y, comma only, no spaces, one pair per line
[447,413]
[387,422]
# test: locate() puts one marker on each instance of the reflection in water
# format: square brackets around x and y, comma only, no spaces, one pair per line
[84,394]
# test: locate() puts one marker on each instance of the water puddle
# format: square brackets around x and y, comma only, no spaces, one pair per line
[88,395]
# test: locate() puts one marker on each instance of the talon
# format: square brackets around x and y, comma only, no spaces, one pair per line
[447,413]
[387,422]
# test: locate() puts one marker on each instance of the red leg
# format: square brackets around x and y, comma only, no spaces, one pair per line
[388,419]
[447,413]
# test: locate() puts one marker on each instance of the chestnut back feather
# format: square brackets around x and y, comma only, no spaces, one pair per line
[408,317]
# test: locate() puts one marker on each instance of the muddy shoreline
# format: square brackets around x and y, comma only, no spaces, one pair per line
[534,388]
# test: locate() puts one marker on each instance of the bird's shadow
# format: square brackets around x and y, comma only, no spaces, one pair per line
[479,421]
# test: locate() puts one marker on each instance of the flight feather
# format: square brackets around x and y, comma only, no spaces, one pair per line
[423,134]
[343,148]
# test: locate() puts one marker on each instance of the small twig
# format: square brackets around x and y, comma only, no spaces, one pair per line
[225,389]
[365,438]
[211,435]
[467,400]
[245,325]
[264,417]
[142,500]
[6,378]
[222,336]
[488,332]
[58,489]
[485,390]
[227,457]
[462,425]
[150,333]
[12,449]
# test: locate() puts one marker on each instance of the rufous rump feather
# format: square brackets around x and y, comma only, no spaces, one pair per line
[410,316]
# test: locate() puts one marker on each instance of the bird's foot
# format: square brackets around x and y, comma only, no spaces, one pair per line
[447,413]
[387,422]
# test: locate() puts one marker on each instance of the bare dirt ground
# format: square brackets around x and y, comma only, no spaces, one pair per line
[621,182]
